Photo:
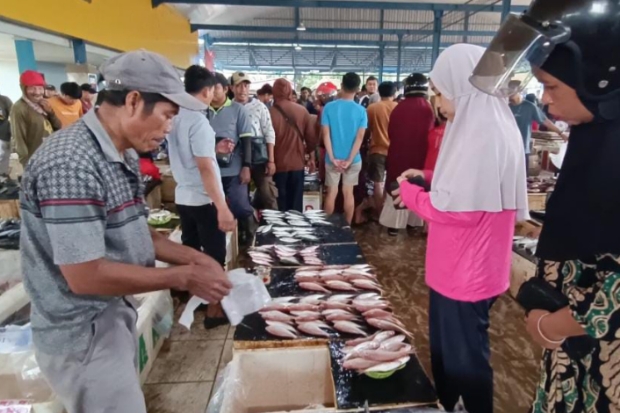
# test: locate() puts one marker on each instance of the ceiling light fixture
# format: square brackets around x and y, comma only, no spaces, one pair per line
[301,27]
[297,47]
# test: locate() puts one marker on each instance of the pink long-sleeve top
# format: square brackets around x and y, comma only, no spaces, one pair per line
[468,255]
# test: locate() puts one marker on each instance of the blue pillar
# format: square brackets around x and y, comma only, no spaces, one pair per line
[505,9]
[437,25]
[466,27]
[400,55]
[79,51]
[25,55]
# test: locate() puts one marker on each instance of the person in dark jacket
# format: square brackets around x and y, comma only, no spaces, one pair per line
[5,135]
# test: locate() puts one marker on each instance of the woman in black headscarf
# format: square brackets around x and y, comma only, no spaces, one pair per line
[573,45]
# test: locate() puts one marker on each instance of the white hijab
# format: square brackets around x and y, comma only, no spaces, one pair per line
[481,165]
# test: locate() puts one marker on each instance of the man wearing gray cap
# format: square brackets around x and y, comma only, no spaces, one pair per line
[86,246]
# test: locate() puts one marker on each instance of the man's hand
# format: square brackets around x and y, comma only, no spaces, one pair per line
[225,146]
[226,220]
[245,176]
[207,280]
[45,105]
[564,136]
[270,170]
[345,165]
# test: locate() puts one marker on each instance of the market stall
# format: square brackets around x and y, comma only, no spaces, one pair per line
[328,341]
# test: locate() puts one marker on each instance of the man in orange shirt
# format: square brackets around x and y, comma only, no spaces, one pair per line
[67,106]
[378,122]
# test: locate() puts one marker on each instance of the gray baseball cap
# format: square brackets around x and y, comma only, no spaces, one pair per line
[147,72]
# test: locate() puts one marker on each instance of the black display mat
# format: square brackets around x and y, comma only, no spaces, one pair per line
[335,254]
[410,385]
[325,235]
[252,328]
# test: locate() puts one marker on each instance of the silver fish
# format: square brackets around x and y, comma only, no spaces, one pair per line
[264,229]
[277,316]
[383,355]
[308,237]
[392,339]
[289,240]
[349,327]
[368,296]
[366,285]
[396,346]
[345,298]
[283,299]
[377,313]
[389,366]
[299,223]
[325,273]
[342,317]
[336,305]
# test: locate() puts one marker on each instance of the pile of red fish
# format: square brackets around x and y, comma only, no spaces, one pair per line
[330,278]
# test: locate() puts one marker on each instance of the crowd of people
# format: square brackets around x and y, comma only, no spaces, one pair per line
[456,161]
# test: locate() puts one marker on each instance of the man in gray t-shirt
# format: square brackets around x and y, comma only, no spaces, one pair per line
[525,114]
[230,120]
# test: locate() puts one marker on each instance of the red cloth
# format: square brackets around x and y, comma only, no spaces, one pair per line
[410,124]
[147,167]
[434,143]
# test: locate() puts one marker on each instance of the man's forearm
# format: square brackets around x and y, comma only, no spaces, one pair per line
[356,145]
[270,151]
[172,253]
[328,143]
[212,186]
[111,278]
[551,126]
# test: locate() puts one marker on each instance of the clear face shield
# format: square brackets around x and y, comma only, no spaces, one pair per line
[506,67]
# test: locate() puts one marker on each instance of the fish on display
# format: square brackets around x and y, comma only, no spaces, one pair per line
[389,366]
[281,330]
[307,237]
[366,285]
[336,305]
[385,324]
[289,261]
[349,327]
[264,229]
[277,316]
[340,286]
[346,316]
[310,286]
[314,328]
[359,364]
[312,298]
[343,298]
[289,240]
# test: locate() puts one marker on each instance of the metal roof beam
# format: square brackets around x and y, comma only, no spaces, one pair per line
[335,30]
[381,5]
[244,41]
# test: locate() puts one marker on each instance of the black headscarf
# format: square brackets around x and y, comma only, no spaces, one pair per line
[583,214]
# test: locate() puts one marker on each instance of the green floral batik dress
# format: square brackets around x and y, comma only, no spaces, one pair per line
[590,384]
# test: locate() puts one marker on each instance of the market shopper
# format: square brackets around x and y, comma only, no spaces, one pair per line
[296,136]
[68,105]
[265,94]
[86,246]
[344,124]
[50,91]
[471,209]
[372,92]
[262,128]
[89,94]
[410,124]
[305,101]
[378,124]
[526,113]
[579,248]
[5,136]
[32,117]
[230,120]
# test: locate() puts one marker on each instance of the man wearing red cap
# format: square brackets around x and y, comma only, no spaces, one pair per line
[32,117]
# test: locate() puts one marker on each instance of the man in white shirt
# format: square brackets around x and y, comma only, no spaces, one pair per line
[267,193]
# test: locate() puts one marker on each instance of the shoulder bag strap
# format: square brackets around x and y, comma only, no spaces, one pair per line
[289,121]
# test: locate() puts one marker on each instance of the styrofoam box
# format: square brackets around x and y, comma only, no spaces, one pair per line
[297,378]
[149,340]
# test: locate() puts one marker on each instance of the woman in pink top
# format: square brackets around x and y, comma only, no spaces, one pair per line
[478,190]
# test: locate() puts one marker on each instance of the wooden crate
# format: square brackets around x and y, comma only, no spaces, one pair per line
[9,208]
[537,202]
[522,270]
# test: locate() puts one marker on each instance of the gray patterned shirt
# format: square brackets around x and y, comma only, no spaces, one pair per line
[80,202]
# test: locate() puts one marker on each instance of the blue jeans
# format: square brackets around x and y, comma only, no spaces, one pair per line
[238,197]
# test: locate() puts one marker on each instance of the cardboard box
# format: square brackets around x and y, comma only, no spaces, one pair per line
[312,200]
[278,381]
[9,208]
